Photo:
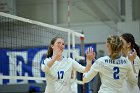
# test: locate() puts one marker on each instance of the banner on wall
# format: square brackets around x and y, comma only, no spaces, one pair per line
[25,62]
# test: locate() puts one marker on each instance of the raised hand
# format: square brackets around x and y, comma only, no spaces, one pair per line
[132,55]
[58,54]
[90,55]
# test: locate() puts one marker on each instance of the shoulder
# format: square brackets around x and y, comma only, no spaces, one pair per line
[70,59]
[103,58]
[43,62]
[124,58]
[47,59]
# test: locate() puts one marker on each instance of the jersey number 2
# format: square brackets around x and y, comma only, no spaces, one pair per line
[60,74]
[116,72]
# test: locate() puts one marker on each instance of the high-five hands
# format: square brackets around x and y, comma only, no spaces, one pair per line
[90,54]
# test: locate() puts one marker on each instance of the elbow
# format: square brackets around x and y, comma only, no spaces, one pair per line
[85,80]
[87,77]
[44,68]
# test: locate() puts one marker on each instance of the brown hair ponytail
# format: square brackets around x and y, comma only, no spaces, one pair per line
[116,45]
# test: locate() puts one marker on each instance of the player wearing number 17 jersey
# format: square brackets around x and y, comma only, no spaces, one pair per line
[113,69]
[59,69]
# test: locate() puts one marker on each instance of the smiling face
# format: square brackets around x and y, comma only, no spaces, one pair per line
[126,46]
[58,45]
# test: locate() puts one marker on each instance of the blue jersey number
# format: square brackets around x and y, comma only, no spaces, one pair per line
[116,72]
[60,74]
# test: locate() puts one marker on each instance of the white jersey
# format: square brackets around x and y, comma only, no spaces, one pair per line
[58,77]
[127,85]
[112,74]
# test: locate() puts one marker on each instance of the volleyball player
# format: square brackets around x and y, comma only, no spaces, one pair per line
[128,46]
[113,68]
[58,69]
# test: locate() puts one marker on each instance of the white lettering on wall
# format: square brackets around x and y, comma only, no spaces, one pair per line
[36,64]
[15,67]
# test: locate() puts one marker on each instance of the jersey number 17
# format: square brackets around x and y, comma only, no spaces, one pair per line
[60,74]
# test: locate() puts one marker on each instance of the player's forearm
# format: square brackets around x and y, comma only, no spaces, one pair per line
[85,80]
[88,66]
[89,76]
[51,62]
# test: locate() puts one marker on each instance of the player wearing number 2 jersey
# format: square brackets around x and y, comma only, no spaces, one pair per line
[113,69]
[59,69]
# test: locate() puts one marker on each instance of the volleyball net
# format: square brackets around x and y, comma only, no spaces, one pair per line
[24,44]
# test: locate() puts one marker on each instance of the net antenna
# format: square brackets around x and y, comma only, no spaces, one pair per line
[75,52]
[17,36]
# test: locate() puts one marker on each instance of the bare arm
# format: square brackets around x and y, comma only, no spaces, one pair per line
[89,75]
[90,56]
[95,68]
